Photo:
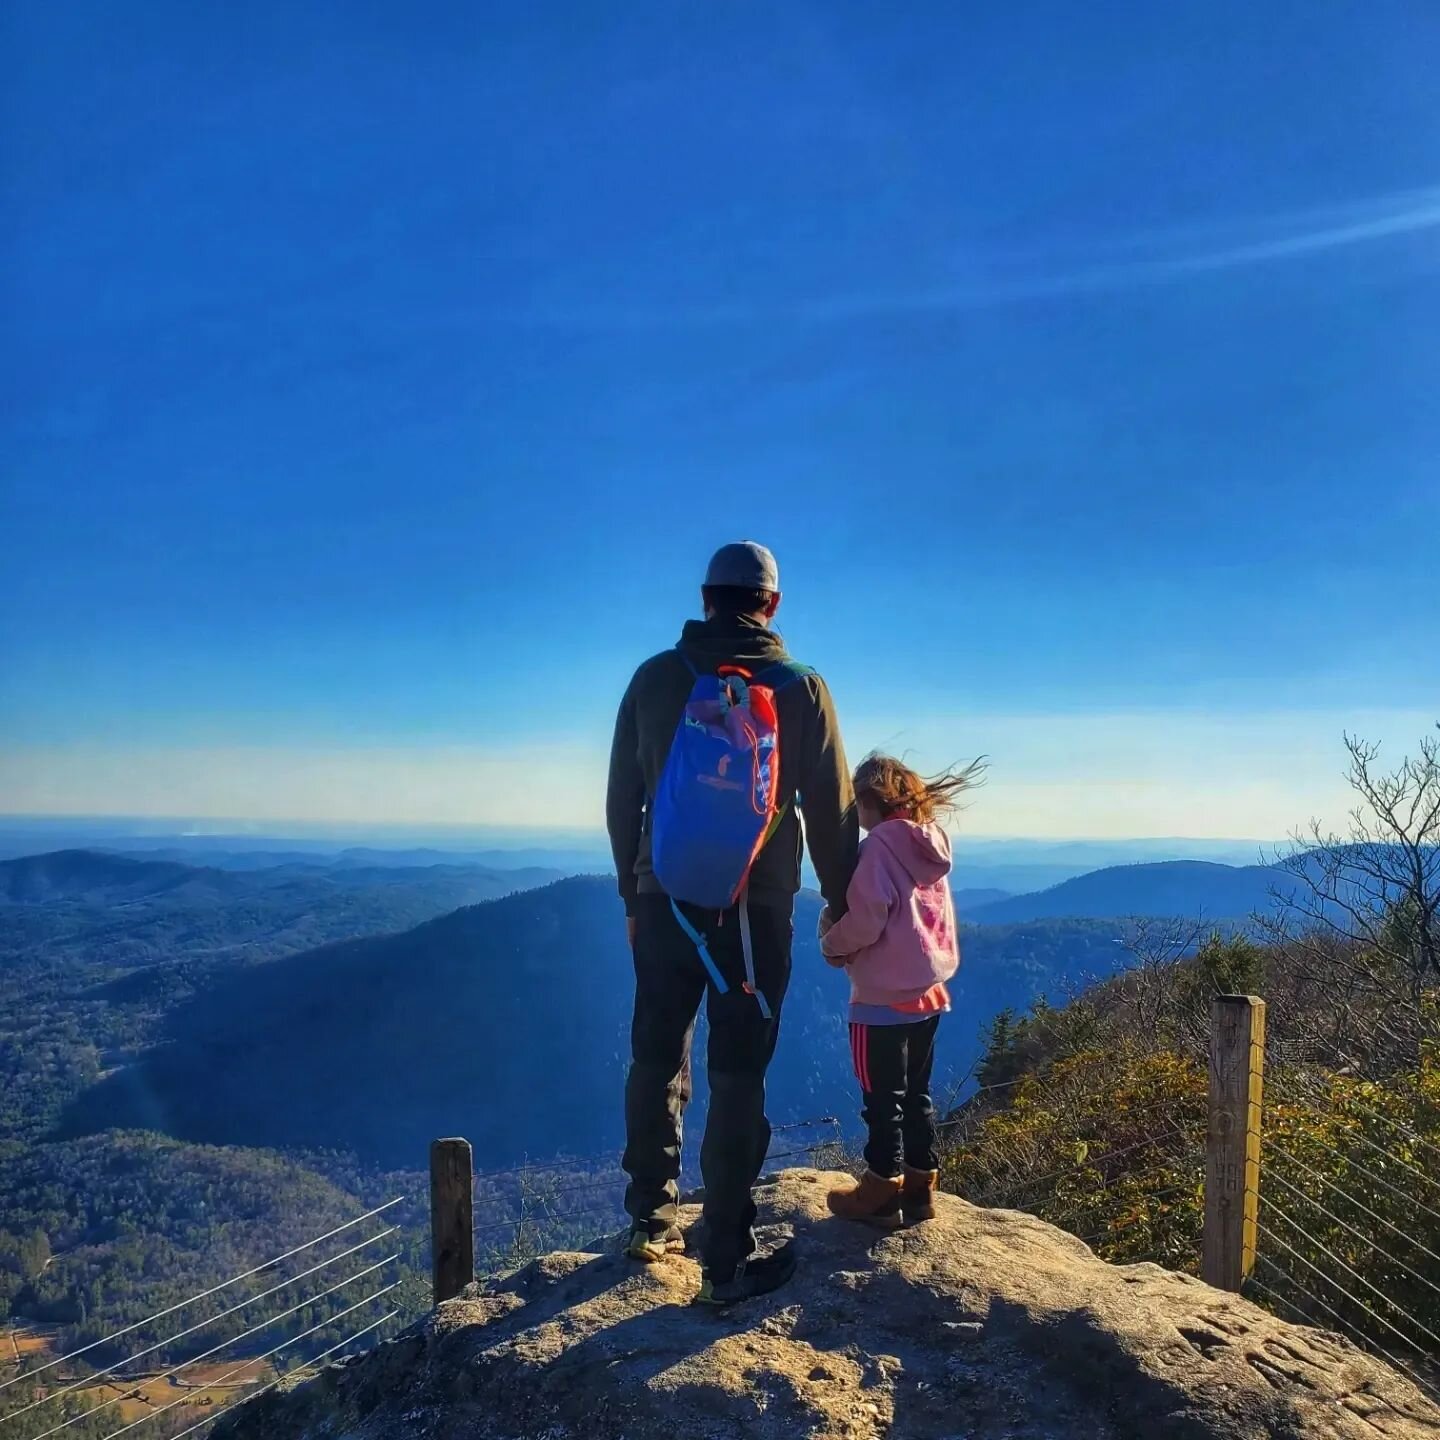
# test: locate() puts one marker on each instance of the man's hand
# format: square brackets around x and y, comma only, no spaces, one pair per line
[630,930]
[826,922]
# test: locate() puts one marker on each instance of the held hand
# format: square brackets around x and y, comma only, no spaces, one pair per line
[838,961]
[630,930]
[826,922]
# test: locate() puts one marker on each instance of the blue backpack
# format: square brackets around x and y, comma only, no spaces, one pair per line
[718,801]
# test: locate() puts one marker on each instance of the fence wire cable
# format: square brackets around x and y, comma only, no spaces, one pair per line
[490,1227]
[556,1166]
[203,1294]
[979,1158]
[1359,1234]
[1106,1186]
[983,1091]
[1354,1299]
[1409,1136]
[540,1167]
[1358,1336]
[199,1325]
[541,1197]
[1088,1163]
[1370,1175]
[1158,1195]
[791,1154]
[1168,1102]
[223,1345]
[1364,1341]
[1353,1200]
[545,1200]
[1351,1271]
[255,1395]
[1331,1101]
[1396,1160]
[259,1360]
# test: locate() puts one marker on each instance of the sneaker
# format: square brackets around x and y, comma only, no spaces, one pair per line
[756,1276]
[875,1199]
[649,1246]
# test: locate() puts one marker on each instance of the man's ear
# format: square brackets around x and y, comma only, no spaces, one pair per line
[772,605]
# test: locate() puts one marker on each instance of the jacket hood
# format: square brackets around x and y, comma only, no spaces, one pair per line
[924,850]
[730,638]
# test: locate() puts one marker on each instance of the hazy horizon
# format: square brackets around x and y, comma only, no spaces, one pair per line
[1053,776]
[459,838]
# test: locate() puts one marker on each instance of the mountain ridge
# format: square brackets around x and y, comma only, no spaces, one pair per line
[1191,889]
[107,879]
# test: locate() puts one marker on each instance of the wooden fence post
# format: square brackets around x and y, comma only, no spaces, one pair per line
[1232,1141]
[452,1232]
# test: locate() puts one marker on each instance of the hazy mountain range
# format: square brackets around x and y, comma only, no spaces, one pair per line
[400,1002]
[1013,865]
[503,1020]
[114,910]
[506,1022]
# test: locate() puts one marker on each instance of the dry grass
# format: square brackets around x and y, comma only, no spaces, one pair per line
[201,1387]
[25,1342]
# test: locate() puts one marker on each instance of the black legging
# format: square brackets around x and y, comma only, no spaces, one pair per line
[893,1064]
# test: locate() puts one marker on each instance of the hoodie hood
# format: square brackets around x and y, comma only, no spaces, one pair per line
[733,639]
[924,850]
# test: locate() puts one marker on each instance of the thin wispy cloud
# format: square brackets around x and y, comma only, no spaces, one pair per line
[1156,258]
[1307,233]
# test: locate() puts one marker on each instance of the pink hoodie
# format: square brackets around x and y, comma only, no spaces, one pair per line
[898,936]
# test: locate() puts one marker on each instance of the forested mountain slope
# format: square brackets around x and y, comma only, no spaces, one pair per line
[506,1022]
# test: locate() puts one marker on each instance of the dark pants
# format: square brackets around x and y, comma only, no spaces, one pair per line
[893,1064]
[670,983]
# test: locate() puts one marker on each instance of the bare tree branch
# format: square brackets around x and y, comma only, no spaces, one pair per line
[1361,914]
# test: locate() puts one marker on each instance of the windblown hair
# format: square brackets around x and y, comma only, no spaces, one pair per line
[897,790]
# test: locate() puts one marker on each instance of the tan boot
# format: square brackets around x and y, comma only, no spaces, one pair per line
[917,1194]
[874,1199]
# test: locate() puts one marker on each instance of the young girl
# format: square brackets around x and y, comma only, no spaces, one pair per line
[897,940]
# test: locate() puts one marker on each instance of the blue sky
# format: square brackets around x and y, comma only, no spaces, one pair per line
[378,378]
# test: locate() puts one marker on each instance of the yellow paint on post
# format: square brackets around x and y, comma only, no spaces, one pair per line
[1232,1146]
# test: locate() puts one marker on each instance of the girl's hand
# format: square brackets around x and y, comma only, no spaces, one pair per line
[838,961]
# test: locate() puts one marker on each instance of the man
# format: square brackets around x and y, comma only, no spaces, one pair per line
[741,594]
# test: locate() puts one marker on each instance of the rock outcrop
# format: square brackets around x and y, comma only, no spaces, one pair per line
[980,1324]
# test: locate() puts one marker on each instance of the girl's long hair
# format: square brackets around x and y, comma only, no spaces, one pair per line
[897,790]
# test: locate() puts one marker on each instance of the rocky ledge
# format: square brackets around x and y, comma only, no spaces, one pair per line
[978,1325]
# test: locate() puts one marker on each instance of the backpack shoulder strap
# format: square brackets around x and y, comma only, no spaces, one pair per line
[689,664]
[783,673]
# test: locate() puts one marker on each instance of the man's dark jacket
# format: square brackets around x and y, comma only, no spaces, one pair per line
[812,765]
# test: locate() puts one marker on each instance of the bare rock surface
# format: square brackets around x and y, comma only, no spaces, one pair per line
[977,1325]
